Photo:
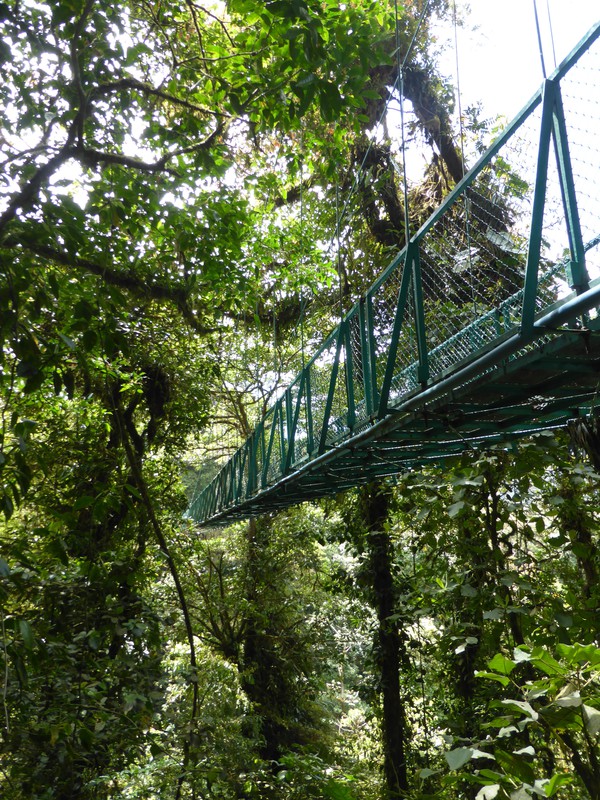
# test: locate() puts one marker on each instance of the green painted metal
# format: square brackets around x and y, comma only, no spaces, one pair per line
[437,357]
[539,200]
[577,275]
[407,277]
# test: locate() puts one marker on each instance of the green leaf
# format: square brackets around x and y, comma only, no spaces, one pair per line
[544,661]
[85,501]
[455,508]
[459,757]
[502,664]
[556,781]
[335,790]
[526,708]
[427,773]
[494,676]
[67,340]
[494,613]
[515,766]
[26,634]
[132,490]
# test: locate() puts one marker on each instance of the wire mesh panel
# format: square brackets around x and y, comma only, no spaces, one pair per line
[405,369]
[581,102]
[359,361]
[274,443]
[329,399]
[295,423]
[473,258]
[259,455]
[382,307]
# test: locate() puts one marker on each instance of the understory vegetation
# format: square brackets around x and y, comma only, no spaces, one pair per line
[172,178]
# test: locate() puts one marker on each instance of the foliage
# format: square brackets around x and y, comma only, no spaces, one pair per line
[169,175]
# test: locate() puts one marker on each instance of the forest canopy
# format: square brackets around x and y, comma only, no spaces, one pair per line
[171,179]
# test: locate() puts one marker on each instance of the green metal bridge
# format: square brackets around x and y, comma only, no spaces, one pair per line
[482,329]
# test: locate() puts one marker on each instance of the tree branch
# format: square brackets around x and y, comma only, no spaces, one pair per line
[163,292]
[147,89]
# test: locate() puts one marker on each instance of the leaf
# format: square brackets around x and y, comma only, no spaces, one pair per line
[335,790]
[67,340]
[515,766]
[555,783]
[544,661]
[493,676]
[459,757]
[85,501]
[132,490]
[494,613]
[564,620]
[569,700]
[488,792]
[502,664]
[591,717]
[521,655]
[523,706]
[455,508]
[427,773]
[26,634]
[520,794]
[525,751]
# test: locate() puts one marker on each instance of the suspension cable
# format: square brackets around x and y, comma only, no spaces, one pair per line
[302,240]
[551,32]
[462,155]
[539,36]
[395,86]
[337,234]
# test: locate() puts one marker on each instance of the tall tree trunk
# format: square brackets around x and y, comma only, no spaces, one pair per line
[376,504]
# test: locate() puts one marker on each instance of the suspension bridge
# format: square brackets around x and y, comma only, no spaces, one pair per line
[483,328]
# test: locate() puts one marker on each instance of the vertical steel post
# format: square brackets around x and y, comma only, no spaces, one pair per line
[332,383]
[577,275]
[289,427]
[290,457]
[365,358]
[423,369]
[310,444]
[351,418]
[390,368]
[372,353]
[537,214]
[269,453]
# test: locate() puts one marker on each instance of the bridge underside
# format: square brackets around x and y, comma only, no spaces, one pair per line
[537,388]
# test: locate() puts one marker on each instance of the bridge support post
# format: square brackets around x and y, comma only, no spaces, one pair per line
[577,274]
[367,347]
[408,277]
[537,214]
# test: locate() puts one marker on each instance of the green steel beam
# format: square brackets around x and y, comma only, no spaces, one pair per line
[332,385]
[407,276]
[539,202]
[577,273]
[417,286]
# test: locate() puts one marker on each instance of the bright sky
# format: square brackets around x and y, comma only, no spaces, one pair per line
[499,62]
